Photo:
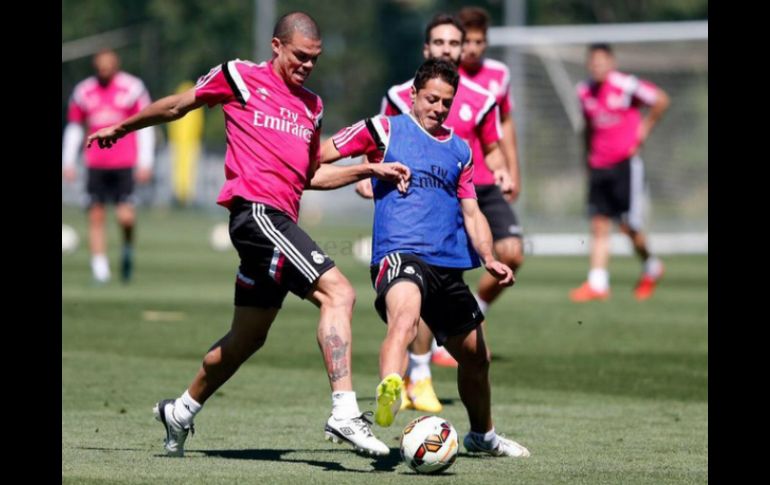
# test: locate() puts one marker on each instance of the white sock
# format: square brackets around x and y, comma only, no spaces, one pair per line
[482,304]
[599,279]
[490,438]
[344,404]
[434,346]
[185,409]
[100,267]
[653,267]
[419,366]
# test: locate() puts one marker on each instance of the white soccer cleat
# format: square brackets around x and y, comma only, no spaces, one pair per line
[505,447]
[356,432]
[175,433]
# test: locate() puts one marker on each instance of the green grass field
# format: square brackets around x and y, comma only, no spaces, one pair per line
[613,392]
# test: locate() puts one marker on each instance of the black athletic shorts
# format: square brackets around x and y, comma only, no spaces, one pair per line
[448,306]
[110,185]
[616,192]
[499,213]
[276,255]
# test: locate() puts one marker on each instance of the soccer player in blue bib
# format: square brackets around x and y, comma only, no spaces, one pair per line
[428,230]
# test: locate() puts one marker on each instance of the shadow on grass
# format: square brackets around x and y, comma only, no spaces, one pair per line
[383,464]
[444,401]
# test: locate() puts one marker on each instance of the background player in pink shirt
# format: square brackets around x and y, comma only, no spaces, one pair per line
[99,101]
[494,203]
[614,132]
[273,130]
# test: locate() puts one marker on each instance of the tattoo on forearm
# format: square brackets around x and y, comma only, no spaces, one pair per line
[335,351]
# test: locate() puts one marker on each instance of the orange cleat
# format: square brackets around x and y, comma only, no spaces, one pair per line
[584,293]
[422,396]
[646,285]
[443,358]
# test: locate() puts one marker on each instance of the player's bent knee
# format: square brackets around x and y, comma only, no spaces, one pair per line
[513,260]
[405,325]
[97,214]
[126,219]
[334,289]
[344,296]
[510,252]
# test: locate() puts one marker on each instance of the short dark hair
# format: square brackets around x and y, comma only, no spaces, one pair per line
[436,68]
[600,46]
[441,19]
[296,22]
[474,18]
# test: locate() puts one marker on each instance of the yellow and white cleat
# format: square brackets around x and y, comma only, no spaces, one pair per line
[406,403]
[423,397]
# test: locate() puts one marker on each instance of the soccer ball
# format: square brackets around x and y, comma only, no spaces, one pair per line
[69,239]
[429,444]
[219,238]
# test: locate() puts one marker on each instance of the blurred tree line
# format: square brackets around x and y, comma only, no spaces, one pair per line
[368,44]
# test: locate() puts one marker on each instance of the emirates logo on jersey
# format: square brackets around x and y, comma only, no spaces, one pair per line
[287,122]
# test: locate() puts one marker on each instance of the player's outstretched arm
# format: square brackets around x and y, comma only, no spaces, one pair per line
[163,110]
[481,237]
[328,177]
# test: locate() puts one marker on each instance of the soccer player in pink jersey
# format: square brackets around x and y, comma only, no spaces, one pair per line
[474,118]
[273,126]
[615,132]
[99,101]
[495,205]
